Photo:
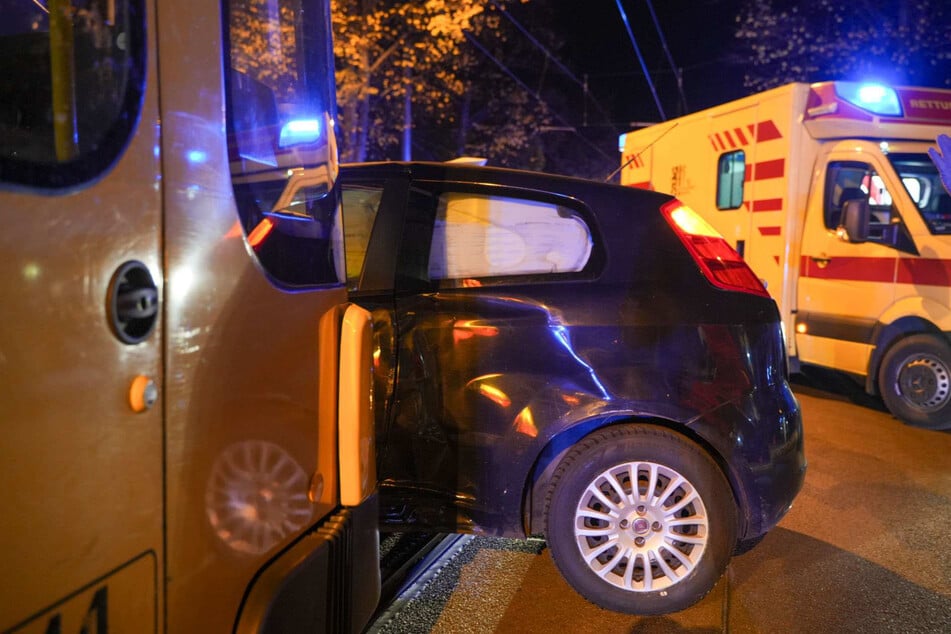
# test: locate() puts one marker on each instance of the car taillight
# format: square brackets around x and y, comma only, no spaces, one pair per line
[719,262]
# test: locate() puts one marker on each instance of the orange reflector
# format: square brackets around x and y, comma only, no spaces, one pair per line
[260,232]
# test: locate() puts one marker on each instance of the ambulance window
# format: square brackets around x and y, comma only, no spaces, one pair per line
[843,182]
[918,190]
[72,77]
[850,180]
[731,172]
[921,179]
[479,236]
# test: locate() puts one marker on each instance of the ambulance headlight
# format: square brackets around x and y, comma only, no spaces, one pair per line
[875,98]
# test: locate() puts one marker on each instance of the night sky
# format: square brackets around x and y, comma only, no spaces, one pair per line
[589,43]
[595,46]
[700,38]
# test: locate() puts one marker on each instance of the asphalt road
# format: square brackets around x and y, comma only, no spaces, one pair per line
[864,549]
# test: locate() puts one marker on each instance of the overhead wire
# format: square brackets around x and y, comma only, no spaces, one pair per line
[640,58]
[505,69]
[550,56]
[670,58]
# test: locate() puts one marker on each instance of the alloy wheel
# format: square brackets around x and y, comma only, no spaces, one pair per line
[641,526]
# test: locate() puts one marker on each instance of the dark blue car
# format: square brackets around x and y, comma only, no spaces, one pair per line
[562,357]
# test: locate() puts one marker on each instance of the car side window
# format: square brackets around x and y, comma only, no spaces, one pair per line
[360,206]
[484,236]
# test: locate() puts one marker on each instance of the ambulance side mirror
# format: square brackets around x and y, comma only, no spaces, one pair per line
[855,218]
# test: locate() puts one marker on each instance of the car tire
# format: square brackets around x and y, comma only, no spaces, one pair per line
[915,381]
[604,538]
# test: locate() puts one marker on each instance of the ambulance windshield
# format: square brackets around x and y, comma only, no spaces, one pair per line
[920,177]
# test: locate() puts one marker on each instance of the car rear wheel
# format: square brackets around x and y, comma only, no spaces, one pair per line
[640,520]
[915,381]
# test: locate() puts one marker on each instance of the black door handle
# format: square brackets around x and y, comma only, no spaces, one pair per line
[132,302]
[137,303]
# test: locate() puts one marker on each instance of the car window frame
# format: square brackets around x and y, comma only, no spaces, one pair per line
[378,273]
[386,270]
[591,270]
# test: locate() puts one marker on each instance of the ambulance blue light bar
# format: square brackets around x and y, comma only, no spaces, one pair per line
[875,98]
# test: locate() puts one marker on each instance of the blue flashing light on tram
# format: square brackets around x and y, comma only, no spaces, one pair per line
[299,131]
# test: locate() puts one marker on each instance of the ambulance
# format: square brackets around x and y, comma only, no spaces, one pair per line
[836,194]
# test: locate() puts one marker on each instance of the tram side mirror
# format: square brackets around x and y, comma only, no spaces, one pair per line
[311,146]
[855,220]
[255,121]
[304,186]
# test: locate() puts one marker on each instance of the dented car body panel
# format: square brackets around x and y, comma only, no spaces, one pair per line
[482,382]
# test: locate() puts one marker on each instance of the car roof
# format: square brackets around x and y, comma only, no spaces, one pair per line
[470,173]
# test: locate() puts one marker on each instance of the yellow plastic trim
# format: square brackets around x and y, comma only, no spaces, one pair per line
[356,442]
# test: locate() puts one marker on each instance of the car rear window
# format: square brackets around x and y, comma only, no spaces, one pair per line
[477,235]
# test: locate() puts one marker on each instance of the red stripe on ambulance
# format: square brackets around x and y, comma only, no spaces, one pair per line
[769,169]
[767,131]
[633,161]
[918,271]
[729,139]
[768,204]
[849,268]
[641,185]
[924,272]
[769,231]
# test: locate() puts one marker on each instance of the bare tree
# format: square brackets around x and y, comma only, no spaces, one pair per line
[898,41]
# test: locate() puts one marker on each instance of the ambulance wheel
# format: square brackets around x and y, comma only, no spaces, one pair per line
[915,381]
[640,520]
